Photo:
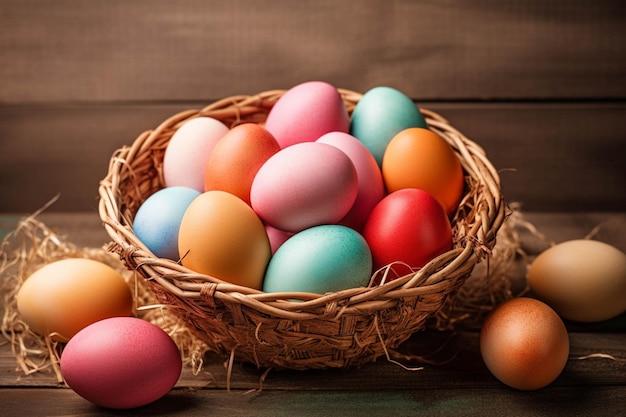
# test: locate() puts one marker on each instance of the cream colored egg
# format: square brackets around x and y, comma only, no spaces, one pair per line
[582,280]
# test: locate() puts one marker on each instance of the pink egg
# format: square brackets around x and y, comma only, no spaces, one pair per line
[186,156]
[306,112]
[371,186]
[277,237]
[121,362]
[304,185]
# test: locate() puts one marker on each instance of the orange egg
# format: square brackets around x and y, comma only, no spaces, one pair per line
[222,237]
[65,296]
[237,157]
[419,158]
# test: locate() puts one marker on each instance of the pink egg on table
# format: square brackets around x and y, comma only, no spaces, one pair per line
[371,186]
[306,112]
[304,185]
[121,363]
[187,153]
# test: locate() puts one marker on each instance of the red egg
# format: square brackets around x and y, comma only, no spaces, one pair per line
[408,226]
[237,157]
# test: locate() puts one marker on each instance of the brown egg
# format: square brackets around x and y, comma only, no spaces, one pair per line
[524,343]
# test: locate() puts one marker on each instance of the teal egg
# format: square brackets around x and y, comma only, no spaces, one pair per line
[321,259]
[380,114]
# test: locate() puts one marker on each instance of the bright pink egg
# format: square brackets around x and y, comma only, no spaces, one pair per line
[121,362]
[408,226]
[306,112]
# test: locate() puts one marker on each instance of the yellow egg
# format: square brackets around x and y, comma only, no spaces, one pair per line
[65,296]
[221,236]
[582,280]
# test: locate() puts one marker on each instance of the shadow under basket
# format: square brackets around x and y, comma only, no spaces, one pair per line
[336,330]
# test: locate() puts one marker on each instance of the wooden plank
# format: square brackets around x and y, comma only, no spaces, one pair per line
[553,156]
[161,50]
[601,401]
[457,364]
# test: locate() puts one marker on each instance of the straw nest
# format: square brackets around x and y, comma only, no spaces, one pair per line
[343,329]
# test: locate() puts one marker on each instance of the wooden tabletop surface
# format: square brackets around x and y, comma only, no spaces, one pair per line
[593,382]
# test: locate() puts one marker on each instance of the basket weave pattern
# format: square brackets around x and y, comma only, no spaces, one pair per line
[343,329]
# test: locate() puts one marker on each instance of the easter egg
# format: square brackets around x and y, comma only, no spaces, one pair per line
[524,343]
[304,185]
[380,114]
[157,221]
[419,158]
[307,111]
[121,363]
[276,236]
[63,297]
[407,226]
[582,280]
[320,259]
[222,237]
[186,155]
[237,157]
[370,181]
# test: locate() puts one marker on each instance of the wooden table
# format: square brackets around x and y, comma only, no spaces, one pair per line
[593,382]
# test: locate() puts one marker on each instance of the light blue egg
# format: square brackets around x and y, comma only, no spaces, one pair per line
[321,259]
[380,114]
[158,219]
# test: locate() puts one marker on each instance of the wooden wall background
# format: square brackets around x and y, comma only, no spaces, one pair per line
[540,84]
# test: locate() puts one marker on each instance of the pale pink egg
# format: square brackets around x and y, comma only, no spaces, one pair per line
[306,112]
[371,187]
[304,185]
[187,153]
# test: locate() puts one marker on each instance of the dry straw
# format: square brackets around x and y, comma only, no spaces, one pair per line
[343,329]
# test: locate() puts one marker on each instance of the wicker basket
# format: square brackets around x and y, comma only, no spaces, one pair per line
[343,329]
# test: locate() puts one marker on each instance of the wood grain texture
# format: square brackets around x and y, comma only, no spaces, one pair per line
[566,156]
[600,401]
[114,50]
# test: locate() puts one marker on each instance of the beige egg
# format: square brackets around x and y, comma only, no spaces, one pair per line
[582,280]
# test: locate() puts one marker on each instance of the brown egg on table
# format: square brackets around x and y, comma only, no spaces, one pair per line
[524,343]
